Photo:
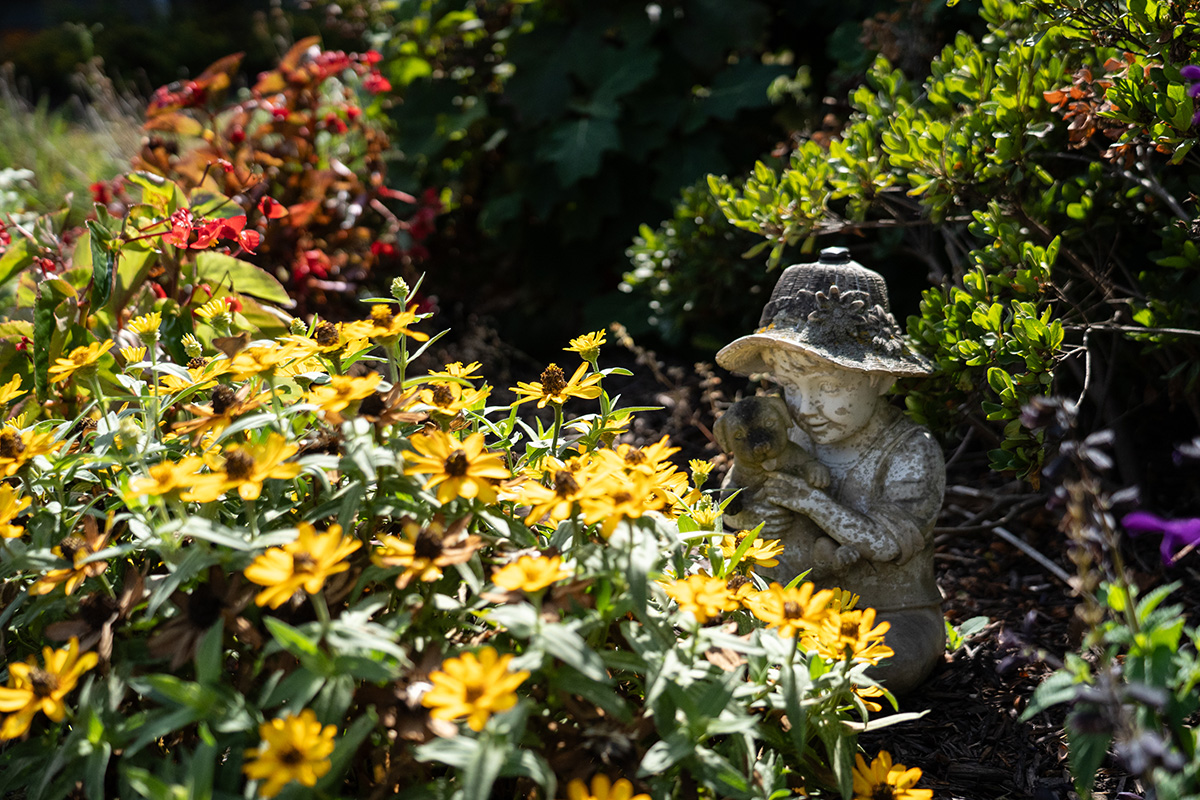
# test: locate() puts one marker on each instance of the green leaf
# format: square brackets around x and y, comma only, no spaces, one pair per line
[665,753]
[104,260]
[50,294]
[483,770]
[1086,750]
[15,258]
[240,276]
[578,147]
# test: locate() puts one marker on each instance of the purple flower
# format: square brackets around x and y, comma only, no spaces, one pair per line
[1192,73]
[1176,533]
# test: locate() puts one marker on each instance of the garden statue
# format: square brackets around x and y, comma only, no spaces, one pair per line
[864,522]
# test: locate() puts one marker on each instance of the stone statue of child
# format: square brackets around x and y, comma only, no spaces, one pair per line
[828,339]
[754,431]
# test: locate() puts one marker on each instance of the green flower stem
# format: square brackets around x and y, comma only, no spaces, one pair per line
[558,421]
[393,366]
[154,399]
[402,346]
[251,518]
[322,609]
[276,405]
[97,391]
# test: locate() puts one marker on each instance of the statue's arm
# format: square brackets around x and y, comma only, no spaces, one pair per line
[901,510]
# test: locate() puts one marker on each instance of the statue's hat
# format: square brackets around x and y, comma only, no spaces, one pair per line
[835,309]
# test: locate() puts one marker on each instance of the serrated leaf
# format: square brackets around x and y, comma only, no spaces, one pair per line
[578,147]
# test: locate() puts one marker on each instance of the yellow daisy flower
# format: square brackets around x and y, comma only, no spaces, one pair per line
[146,327]
[213,308]
[616,497]
[790,611]
[341,391]
[456,370]
[384,324]
[294,748]
[81,359]
[32,688]
[10,507]
[763,553]
[450,397]
[11,390]
[223,407]
[17,448]
[166,477]
[132,355]
[883,780]
[555,388]
[245,468]
[588,345]
[458,469]
[850,635]
[603,788]
[473,687]
[303,563]
[530,573]
[550,505]
[705,597]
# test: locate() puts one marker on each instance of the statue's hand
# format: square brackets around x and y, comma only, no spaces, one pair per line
[775,519]
[787,491]
[817,474]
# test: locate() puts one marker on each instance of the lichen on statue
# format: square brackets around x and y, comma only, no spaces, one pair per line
[830,343]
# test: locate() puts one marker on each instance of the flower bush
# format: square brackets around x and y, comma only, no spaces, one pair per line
[244,554]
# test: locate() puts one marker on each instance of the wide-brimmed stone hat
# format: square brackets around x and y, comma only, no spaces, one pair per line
[834,309]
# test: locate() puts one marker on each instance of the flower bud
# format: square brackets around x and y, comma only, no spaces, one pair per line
[400,289]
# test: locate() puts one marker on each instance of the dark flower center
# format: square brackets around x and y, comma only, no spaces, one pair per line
[303,562]
[326,334]
[849,629]
[442,395]
[43,683]
[634,456]
[72,545]
[882,791]
[83,426]
[427,546]
[736,582]
[11,444]
[197,362]
[471,694]
[553,380]
[565,483]
[239,465]
[291,756]
[381,315]
[621,498]
[223,398]
[203,607]
[791,610]
[457,464]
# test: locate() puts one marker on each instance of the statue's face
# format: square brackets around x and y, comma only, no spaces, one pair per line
[830,403]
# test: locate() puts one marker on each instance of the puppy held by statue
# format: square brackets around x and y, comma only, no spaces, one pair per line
[754,431]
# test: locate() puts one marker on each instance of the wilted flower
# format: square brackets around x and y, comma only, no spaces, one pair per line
[424,550]
[75,550]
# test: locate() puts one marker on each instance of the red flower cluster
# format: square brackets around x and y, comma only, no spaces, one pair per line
[197,233]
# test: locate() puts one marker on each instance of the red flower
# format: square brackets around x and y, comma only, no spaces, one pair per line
[312,262]
[159,291]
[270,208]
[371,58]
[376,83]
[100,193]
[182,222]
[5,238]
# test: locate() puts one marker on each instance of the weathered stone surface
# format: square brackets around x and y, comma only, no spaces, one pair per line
[865,521]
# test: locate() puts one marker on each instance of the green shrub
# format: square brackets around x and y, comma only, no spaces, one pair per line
[1013,174]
